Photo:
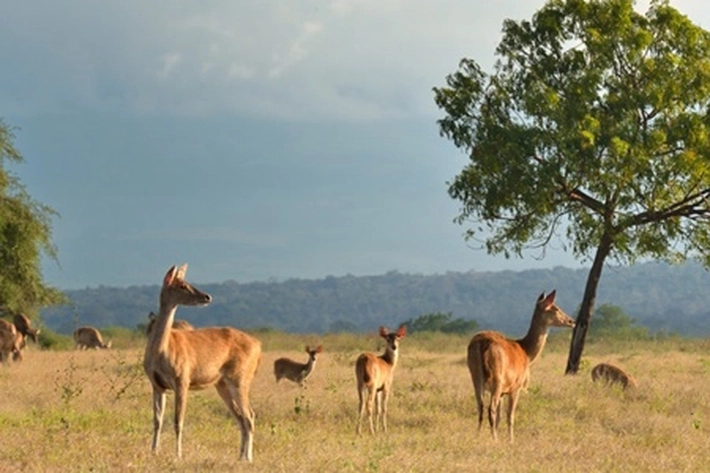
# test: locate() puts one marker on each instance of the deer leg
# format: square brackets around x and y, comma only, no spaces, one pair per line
[237,400]
[361,407]
[493,412]
[180,406]
[383,407]
[377,409]
[479,406]
[512,404]
[371,399]
[158,410]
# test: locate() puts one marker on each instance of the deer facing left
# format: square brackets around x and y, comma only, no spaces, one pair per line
[181,360]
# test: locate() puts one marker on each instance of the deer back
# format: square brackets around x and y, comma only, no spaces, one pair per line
[499,359]
[205,355]
[89,337]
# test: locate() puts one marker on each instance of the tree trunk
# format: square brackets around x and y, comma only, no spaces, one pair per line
[579,333]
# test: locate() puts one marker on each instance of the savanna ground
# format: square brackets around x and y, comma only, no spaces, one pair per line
[91,411]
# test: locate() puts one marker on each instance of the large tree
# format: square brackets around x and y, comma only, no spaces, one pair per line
[592,130]
[25,235]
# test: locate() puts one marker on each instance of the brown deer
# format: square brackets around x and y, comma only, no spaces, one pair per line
[11,341]
[374,378]
[89,337]
[177,324]
[501,366]
[295,371]
[180,360]
[24,326]
[613,375]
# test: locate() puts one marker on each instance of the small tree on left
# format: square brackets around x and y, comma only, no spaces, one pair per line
[25,236]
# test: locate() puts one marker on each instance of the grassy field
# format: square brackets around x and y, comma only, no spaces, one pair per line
[91,411]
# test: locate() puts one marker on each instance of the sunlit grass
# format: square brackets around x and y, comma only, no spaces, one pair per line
[91,411]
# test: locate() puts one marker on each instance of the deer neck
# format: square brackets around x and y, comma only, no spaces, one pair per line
[390,356]
[534,341]
[309,366]
[160,336]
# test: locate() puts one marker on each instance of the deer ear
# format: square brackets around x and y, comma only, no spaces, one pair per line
[308,349]
[170,276]
[319,349]
[182,270]
[541,297]
[402,331]
[383,332]
[550,299]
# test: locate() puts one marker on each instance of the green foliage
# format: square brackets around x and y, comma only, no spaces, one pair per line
[50,340]
[25,235]
[440,322]
[611,322]
[593,126]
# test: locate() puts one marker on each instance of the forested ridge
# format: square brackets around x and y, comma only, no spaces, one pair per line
[656,295]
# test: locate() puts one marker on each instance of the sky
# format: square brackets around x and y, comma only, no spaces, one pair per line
[253,140]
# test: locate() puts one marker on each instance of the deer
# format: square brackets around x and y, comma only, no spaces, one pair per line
[89,337]
[613,375]
[183,360]
[501,366]
[374,378]
[11,341]
[24,326]
[177,324]
[295,371]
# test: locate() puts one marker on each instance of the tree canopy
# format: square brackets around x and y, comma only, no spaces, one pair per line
[25,235]
[592,130]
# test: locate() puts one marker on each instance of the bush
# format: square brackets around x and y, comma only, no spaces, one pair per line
[50,340]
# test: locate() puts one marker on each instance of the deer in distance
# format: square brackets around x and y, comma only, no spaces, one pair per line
[374,378]
[182,360]
[89,337]
[24,326]
[501,366]
[295,371]
[613,375]
[11,341]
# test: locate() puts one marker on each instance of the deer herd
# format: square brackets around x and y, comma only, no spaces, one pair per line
[180,358]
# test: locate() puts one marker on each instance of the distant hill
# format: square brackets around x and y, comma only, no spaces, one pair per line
[657,295]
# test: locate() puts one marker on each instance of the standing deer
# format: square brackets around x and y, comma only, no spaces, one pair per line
[501,366]
[89,337]
[374,378]
[613,374]
[24,326]
[180,360]
[295,371]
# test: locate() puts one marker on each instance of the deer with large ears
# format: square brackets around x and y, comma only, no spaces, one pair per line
[295,371]
[374,378]
[180,360]
[501,366]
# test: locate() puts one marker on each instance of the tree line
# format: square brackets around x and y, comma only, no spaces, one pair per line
[657,296]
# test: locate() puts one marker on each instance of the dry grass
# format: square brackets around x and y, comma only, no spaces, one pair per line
[91,411]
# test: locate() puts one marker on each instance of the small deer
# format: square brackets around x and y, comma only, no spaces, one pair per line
[89,337]
[295,371]
[374,378]
[182,360]
[613,375]
[501,366]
